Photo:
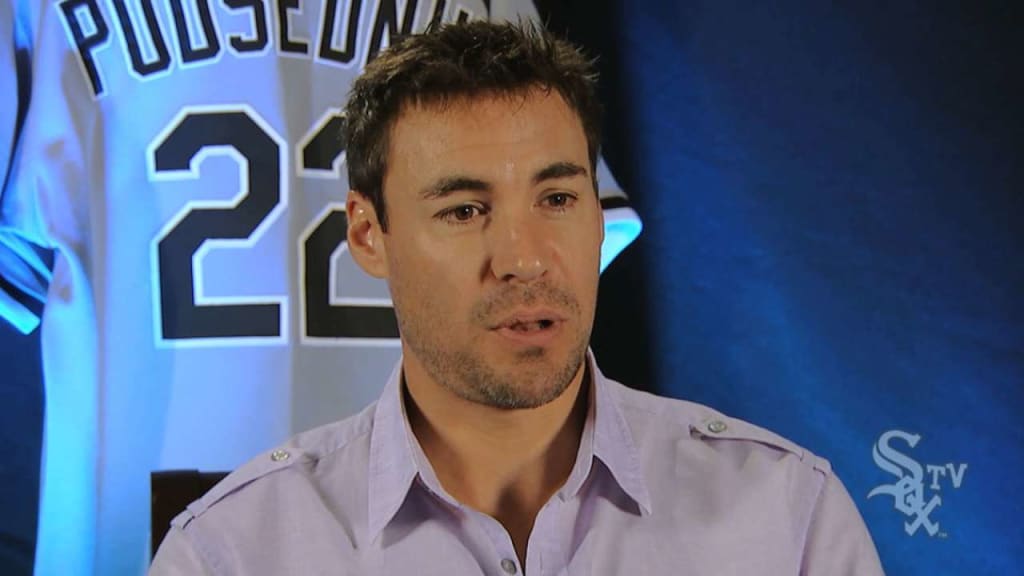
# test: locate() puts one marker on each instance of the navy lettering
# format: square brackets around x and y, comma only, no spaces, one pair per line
[438,14]
[387,15]
[287,44]
[211,45]
[86,43]
[259,26]
[327,50]
[182,317]
[163,58]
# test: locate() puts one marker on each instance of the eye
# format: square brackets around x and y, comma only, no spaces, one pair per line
[461,214]
[560,200]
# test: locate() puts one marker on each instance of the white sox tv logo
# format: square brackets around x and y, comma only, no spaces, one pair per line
[908,491]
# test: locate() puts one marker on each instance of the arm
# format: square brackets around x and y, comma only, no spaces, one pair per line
[177,556]
[838,542]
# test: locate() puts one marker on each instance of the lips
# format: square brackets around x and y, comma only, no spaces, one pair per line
[530,326]
[529,321]
[534,328]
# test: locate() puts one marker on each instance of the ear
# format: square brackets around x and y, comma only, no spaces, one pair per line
[365,237]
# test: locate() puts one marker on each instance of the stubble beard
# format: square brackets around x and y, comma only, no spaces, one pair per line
[530,381]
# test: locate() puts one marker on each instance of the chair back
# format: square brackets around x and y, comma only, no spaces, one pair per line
[170,492]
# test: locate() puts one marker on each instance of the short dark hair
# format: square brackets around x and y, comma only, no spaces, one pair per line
[455,61]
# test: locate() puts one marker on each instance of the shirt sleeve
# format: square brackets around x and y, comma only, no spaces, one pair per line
[178,557]
[838,542]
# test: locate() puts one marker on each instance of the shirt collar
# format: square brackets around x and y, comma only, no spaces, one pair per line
[607,436]
[396,457]
[392,467]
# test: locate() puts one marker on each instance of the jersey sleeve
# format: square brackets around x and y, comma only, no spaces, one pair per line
[8,97]
[24,277]
[24,274]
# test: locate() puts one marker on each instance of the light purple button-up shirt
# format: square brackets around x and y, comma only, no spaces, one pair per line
[659,486]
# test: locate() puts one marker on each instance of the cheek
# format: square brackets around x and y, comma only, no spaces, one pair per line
[429,281]
[584,258]
[581,248]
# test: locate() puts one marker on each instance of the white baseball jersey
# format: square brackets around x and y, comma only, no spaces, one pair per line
[182,159]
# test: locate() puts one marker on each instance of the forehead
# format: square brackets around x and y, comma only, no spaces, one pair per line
[484,133]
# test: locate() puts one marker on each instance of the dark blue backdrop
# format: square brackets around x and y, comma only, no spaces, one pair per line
[21,428]
[833,205]
[832,200]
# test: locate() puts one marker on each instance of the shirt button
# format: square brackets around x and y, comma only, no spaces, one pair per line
[508,565]
[716,426]
[279,455]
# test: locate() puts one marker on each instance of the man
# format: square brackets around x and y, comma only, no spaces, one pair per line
[497,446]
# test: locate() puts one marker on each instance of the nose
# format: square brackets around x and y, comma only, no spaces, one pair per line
[518,251]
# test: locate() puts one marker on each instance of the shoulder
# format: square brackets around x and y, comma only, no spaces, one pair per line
[652,417]
[747,486]
[282,466]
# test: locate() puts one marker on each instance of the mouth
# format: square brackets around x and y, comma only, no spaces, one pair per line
[534,328]
[530,320]
[531,326]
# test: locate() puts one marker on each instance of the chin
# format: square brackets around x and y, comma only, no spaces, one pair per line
[529,383]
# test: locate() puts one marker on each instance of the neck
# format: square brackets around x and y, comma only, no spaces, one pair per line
[505,463]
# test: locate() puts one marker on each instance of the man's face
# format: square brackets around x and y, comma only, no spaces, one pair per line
[493,245]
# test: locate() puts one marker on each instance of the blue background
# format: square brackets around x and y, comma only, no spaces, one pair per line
[833,210]
[833,223]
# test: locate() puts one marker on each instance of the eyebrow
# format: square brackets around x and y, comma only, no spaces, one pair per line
[448,185]
[559,170]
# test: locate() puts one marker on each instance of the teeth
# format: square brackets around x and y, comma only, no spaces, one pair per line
[528,326]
